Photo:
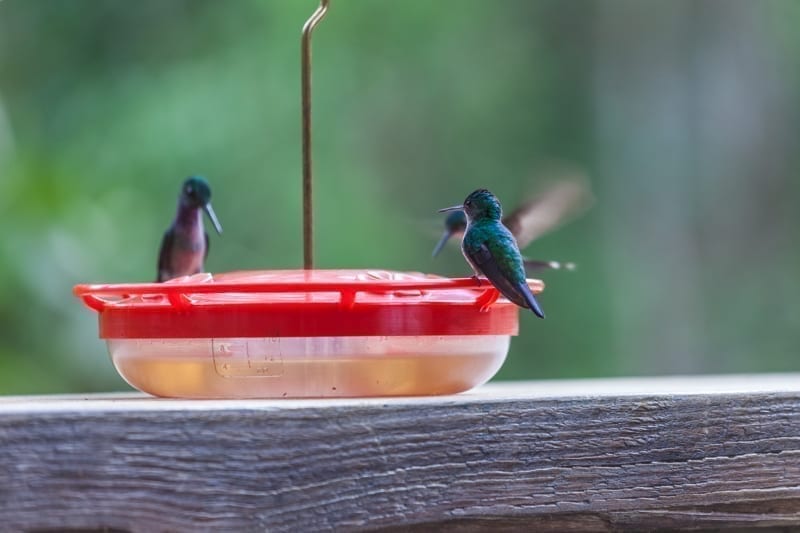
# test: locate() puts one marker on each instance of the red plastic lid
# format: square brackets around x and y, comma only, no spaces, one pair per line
[300,303]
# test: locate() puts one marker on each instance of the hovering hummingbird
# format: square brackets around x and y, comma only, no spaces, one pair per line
[490,249]
[185,244]
[535,217]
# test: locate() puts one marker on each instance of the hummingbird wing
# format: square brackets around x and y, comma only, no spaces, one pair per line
[502,266]
[558,202]
[164,267]
[208,245]
[536,264]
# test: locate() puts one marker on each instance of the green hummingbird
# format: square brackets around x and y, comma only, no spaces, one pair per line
[184,247]
[491,249]
[557,201]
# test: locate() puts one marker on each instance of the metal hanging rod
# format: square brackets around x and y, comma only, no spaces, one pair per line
[305,96]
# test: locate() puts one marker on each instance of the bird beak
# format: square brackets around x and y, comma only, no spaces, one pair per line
[454,208]
[210,212]
[439,245]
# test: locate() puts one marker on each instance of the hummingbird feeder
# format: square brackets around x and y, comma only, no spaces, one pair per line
[309,332]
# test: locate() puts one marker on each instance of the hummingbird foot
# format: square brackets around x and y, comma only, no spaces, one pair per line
[487,298]
[477,279]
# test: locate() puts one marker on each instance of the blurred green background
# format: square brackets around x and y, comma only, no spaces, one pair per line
[683,115]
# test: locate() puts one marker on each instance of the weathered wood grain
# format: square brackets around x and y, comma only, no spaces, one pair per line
[570,456]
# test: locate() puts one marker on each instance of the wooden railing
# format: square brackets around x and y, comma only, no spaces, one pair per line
[682,453]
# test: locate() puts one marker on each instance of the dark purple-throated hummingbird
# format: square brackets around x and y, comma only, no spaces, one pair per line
[184,247]
[491,249]
[556,202]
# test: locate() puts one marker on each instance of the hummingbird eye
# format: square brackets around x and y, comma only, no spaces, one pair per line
[468,203]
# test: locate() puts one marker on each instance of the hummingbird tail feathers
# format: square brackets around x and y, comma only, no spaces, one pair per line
[530,299]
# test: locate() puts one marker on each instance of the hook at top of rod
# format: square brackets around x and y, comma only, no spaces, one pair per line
[305,95]
[308,27]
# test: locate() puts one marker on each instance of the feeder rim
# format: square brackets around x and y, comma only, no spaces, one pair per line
[338,285]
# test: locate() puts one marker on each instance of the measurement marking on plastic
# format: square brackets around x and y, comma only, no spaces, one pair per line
[248,357]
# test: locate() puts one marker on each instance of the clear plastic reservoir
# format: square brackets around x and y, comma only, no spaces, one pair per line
[308,367]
